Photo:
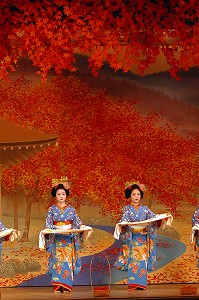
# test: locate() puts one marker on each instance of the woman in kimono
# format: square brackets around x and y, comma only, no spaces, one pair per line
[138,252]
[10,234]
[2,228]
[62,249]
[195,226]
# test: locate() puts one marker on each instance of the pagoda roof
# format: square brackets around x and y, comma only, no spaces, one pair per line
[18,143]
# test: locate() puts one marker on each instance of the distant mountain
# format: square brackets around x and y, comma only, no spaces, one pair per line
[177,100]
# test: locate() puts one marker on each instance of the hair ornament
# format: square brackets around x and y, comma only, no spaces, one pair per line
[129,184]
[63,180]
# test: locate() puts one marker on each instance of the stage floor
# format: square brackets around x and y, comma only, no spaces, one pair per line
[153,291]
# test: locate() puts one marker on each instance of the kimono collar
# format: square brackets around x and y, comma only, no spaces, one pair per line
[136,206]
[61,207]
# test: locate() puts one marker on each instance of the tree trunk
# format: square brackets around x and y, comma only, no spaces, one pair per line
[150,201]
[25,237]
[16,222]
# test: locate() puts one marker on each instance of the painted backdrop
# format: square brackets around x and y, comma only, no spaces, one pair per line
[110,129]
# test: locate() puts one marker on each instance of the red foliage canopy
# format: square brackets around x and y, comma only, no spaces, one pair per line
[102,144]
[120,32]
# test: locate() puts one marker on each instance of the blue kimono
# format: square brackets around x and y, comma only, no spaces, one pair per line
[63,250]
[195,221]
[138,252]
[2,228]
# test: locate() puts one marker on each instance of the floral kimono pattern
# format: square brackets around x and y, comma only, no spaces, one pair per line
[195,221]
[63,250]
[2,228]
[138,253]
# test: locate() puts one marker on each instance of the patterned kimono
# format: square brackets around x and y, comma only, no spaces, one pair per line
[2,228]
[138,252]
[63,259]
[195,221]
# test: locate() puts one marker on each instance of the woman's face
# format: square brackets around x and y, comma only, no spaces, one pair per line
[61,196]
[135,196]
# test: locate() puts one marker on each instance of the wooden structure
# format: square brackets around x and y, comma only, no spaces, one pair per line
[17,144]
[152,292]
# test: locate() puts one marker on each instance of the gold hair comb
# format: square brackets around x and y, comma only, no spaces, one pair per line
[142,187]
[63,180]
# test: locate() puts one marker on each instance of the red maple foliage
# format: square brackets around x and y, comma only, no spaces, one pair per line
[121,32]
[102,144]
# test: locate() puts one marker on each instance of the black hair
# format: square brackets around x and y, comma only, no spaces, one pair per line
[132,187]
[60,186]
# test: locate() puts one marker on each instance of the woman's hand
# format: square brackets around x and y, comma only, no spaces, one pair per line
[82,226]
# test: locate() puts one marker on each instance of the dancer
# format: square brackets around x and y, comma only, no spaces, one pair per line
[6,234]
[63,249]
[138,253]
[3,238]
[195,233]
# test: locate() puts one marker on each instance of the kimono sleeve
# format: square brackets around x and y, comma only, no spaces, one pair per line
[150,214]
[195,221]
[49,238]
[125,234]
[76,220]
[195,217]
[2,226]
[152,235]
[49,219]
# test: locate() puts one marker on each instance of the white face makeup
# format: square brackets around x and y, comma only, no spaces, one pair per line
[135,197]
[61,197]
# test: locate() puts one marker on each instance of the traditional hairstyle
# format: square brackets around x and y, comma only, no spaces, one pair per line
[132,186]
[60,186]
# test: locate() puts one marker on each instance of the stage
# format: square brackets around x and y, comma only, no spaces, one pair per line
[153,291]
